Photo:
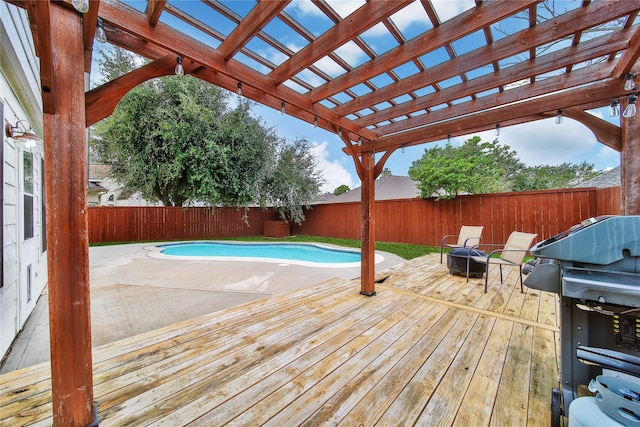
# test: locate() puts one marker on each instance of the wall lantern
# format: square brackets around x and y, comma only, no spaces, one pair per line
[25,137]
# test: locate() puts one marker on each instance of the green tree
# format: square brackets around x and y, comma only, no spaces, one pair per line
[161,141]
[546,177]
[475,167]
[341,189]
[114,61]
[174,140]
[292,181]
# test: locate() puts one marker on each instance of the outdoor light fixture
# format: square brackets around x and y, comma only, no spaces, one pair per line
[25,137]
[81,6]
[179,68]
[614,108]
[282,109]
[449,139]
[630,111]
[497,129]
[559,117]
[402,146]
[239,91]
[340,132]
[315,122]
[629,84]
[100,35]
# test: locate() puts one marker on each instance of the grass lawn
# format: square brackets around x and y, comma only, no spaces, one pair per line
[403,250]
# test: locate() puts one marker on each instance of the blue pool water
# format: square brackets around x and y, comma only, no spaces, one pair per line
[284,251]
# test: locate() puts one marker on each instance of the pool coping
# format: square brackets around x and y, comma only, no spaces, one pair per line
[154,251]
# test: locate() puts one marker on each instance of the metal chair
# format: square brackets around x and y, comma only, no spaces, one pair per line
[469,236]
[511,254]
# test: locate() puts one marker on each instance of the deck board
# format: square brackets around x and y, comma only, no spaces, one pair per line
[428,349]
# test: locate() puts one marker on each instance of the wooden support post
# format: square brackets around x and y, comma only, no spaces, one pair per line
[67,229]
[368,264]
[630,166]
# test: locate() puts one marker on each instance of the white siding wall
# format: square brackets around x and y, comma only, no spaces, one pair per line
[21,99]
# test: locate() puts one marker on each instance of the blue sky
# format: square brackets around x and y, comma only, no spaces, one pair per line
[537,143]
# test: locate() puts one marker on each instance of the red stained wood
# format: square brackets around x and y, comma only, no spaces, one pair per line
[630,165]
[248,27]
[277,228]
[424,222]
[142,223]
[67,239]
[408,220]
[463,24]
[360,21]
[101,101]
[368,218]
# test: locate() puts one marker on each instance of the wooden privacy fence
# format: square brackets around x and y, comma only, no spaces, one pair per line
[419,221]
[147,223]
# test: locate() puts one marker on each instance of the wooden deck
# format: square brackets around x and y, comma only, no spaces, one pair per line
[429,349]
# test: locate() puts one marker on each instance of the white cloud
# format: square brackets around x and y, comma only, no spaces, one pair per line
[329,66]
[407,16]
[545,143]
[305,7]
[351,53]
[345,8]
[333,173]
[447,9]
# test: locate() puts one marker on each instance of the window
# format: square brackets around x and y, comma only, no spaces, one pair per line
[27,185]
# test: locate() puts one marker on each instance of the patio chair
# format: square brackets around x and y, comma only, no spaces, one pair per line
[511,254]
[469,236]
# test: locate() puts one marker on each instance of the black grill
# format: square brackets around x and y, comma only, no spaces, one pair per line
[595,268]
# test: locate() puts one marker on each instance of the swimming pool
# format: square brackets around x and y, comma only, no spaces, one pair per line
[292,253]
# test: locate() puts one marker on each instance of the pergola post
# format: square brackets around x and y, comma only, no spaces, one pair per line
[630,166]
[368,265]
[67,230]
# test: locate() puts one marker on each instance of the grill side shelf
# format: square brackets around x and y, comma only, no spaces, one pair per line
[612,287]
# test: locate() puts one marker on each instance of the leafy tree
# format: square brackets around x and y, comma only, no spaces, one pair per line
[114,61]
[292,182]
[475,167]
[341,189]
[173,139]
[161,137]
[547,177]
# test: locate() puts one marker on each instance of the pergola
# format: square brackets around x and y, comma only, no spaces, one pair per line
[427,87]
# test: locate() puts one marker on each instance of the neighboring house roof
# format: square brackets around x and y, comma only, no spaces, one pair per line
[388,187]
[610,178]
[98,172]
[325,198]
[97,188]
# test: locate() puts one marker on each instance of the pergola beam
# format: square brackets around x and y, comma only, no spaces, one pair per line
[101,101]
[129,20]
[505,48]
[89,24]
[516,73]
[607,89]
[359,21]
[521,94]
[460,26]
[154,10]
[40,23]
[259,16]
[629,57]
